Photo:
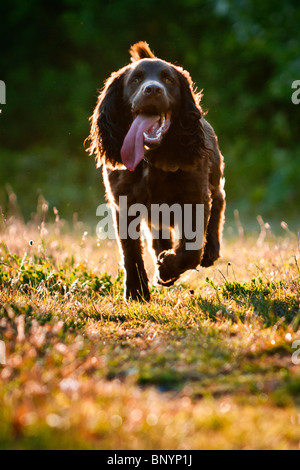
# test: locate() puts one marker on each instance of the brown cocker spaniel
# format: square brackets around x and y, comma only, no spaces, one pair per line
[148,132]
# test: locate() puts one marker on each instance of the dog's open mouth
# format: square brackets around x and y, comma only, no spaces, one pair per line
[154,135]
[145,130]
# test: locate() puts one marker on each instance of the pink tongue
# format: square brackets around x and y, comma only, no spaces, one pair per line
[132,151]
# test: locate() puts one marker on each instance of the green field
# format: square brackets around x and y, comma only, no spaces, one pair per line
[208,364]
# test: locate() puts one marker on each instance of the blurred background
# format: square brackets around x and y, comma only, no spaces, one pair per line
[244,54]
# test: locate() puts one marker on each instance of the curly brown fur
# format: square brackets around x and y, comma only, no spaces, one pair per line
[184,166]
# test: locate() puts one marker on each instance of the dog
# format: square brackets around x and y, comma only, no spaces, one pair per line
[149,134]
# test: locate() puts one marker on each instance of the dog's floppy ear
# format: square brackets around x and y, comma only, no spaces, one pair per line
[141,50]
[188,126]
[190,110]
[109,122]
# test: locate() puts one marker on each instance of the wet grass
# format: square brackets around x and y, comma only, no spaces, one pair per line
[210,363]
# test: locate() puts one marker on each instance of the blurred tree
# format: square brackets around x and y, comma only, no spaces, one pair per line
[243,53]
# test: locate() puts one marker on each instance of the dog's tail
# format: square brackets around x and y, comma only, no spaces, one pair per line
[141,50]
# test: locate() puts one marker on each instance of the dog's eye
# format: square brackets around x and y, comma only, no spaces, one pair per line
[136,79]
[168,80]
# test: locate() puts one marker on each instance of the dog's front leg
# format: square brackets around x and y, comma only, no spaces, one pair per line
[188,253]
[136,279]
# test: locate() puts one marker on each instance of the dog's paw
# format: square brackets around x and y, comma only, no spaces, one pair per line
[137,292]
[167,268]
[137,296]
[210,255]
[206,261]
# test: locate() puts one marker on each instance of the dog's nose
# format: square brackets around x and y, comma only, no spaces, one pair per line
[153,89]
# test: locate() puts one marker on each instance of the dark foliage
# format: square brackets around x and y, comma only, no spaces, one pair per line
[245,56]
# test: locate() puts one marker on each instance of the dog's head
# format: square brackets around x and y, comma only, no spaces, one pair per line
[150,107]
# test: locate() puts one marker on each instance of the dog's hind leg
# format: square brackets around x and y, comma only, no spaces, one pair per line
[214,229]
[161,239]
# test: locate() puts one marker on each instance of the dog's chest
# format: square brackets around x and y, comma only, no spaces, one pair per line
[161,186]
